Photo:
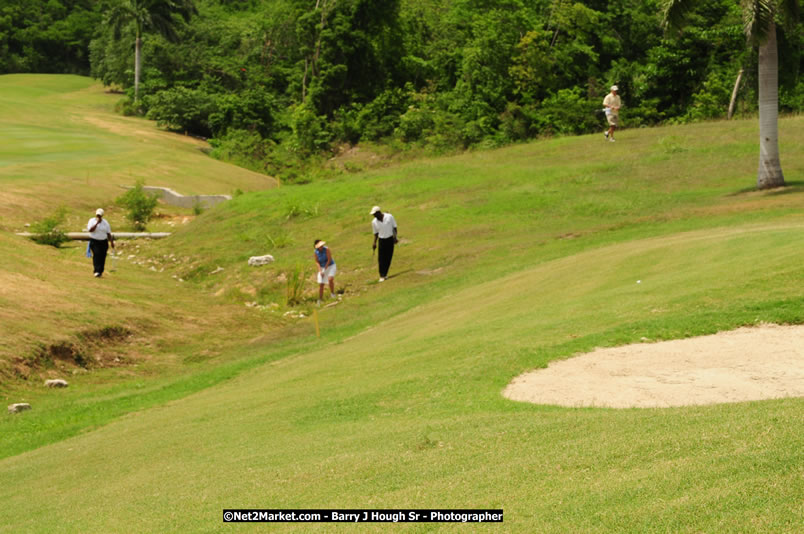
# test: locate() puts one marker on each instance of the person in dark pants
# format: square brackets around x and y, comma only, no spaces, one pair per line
[384,227]
[100,237]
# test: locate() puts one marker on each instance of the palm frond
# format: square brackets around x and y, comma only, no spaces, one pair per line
[674,14]
[120,16]
[162,15]
[790,11]
[757,18]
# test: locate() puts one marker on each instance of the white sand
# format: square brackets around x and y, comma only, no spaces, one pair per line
[765,362]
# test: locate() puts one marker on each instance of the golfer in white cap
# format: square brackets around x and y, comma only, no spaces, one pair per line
[612,104]
[384,228]
[100,236]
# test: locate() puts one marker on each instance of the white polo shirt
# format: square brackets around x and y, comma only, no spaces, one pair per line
[384,229]
[102,231]
[611,102]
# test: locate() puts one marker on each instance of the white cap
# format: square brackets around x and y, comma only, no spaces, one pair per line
[99,211]
[615,88]
[374,210]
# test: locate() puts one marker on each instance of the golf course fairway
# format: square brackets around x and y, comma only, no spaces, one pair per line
[509,259]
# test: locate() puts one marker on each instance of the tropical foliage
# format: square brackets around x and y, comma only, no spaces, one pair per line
[759,18]
[275,83]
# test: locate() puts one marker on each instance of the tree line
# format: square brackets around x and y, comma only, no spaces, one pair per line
[273,83]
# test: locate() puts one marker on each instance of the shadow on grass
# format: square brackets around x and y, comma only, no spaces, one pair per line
[791,186]
[399,273]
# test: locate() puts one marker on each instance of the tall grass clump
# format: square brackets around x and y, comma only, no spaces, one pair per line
[295,286]
[47,231]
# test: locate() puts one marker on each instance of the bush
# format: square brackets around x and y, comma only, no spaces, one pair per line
[47,230]
[514,123]
[310,133]
[379,118]
[712,101]
[414,123]
[128,108]
[792,100]
[568,112]
[140,205]
[183,110]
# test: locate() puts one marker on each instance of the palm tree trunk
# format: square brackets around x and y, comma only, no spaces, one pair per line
[770,168]
[137,63]
[734,94]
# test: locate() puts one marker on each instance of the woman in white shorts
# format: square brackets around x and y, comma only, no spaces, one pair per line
[326,269]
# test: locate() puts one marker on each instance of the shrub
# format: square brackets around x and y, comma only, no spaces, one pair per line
[243,148]
[414,123]
[310,133]
[140,205]
[47,231]
[182,109]
[514,123]
[568,112]
[792,99]
[380,117]
[712,101]
[128,108]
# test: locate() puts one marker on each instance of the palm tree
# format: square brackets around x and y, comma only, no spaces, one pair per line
[760,28]
[144,15]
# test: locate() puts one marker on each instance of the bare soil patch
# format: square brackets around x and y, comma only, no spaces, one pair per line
[746,364]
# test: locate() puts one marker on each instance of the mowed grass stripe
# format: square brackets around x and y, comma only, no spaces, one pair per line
[67,147]
[409,413]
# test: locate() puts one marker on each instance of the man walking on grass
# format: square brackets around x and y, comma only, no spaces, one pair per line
[384,228]
[100,236]
[612,104]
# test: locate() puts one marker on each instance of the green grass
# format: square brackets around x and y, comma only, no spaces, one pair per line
[63,142]
[65,148]
[512,258]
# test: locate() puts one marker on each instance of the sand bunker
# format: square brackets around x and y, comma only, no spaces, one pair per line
[765,362]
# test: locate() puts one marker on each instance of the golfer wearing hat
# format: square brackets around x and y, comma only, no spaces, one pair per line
[612,105]
[100,236]
[384,227]
[326,269]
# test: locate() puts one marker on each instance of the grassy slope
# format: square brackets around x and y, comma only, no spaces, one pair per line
[408,412]
[477,216]
[65,147]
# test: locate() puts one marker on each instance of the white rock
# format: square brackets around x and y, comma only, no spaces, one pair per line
[18,407]
[56,383]
[256,261]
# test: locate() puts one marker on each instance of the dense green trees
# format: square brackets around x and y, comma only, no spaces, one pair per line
[50,36]
[274,82]
[760,27]
[142,15]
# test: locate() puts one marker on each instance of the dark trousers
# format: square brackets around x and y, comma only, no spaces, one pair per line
[385,253]
[99,249]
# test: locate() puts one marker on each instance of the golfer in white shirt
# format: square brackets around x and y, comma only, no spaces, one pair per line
[384,228]
[100,236]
